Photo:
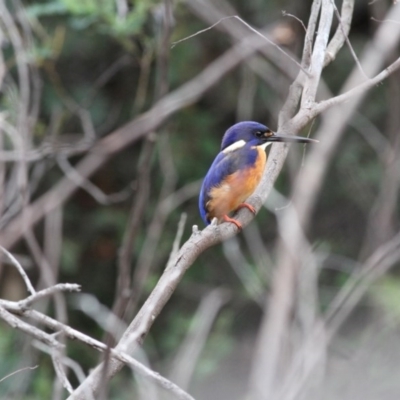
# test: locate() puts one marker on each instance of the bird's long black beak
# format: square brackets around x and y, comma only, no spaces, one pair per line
[273,137]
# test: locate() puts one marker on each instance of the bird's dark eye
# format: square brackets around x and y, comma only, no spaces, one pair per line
[259,134]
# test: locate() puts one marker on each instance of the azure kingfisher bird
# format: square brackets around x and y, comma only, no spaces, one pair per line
[237,170]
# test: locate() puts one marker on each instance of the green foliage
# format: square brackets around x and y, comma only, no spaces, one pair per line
[101,14]
[387,294]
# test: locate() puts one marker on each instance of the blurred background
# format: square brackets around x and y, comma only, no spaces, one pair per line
[91,66]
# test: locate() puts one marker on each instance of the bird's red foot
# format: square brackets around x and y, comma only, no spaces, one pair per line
[233,221]
[248,206]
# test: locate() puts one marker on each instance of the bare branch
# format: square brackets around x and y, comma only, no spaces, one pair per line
[384,258]
[88,186]
[58,367]
[285,14]
[65,360]
[295,90]
[173,44]
[385,20]
[135,217]
[342,32]
[211,11]
[194,342]
[60,287]
[17,372]
[243,270]
[21,271]
[377,264]
[256,32]
[345,27]
[324,105]
[178,238]
[74,334]
[317,59]
[16,323]
[15,307]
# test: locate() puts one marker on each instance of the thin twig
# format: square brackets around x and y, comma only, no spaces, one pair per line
[60,287]
[59,368]
[318,55]
[255,31]
[190,350]
[90,187]
[272,43]
[155,227]
[21,271]
[18,371]
[346,37]
[16,323]
[292,100]
[243,270]
[342,31]
[386,20]
[173,44]
[177,240]
[68,362]
[285,14]
[324,105]
[136,215]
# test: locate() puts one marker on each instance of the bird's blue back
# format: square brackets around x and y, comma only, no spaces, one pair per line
[223,166]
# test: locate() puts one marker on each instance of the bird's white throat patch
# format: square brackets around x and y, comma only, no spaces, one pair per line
[234,146]
[264,145]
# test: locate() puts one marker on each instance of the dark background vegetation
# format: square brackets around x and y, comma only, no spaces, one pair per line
[89,58]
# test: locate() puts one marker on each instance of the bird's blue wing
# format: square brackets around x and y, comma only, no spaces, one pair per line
[223,166]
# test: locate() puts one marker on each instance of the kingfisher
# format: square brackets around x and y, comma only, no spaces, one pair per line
[237,170]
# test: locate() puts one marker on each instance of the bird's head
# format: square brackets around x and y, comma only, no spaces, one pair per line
[255,134]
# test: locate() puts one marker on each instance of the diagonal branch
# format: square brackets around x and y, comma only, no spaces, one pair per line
[21,271]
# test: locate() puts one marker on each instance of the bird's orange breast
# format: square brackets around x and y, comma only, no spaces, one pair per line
[236,188]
